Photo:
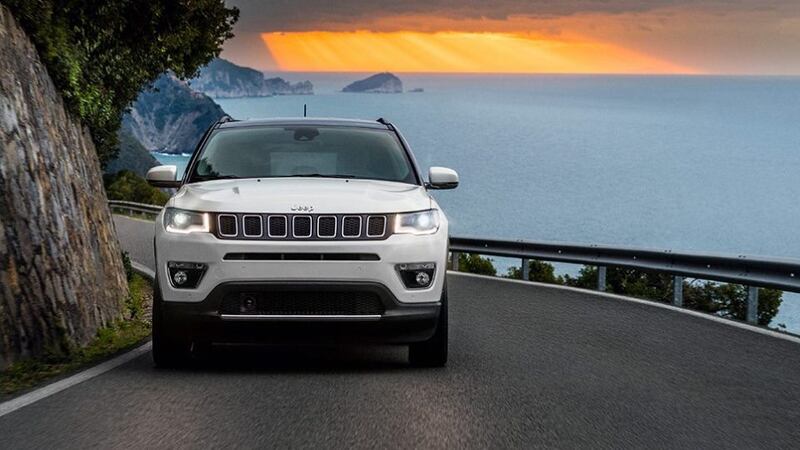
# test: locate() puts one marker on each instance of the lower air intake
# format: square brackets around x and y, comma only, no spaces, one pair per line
[302,303]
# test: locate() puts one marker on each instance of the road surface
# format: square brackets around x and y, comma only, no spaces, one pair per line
[530,366]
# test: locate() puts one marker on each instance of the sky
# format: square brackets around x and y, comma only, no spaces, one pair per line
[753,37]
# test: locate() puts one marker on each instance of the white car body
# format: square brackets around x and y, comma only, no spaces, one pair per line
[278,196]
[346,261]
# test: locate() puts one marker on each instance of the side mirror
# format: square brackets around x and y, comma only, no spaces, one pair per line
[163,177]
[442,178]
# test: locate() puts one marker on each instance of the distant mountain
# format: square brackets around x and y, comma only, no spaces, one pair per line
[224,79]
[382,83]
[132,156]
[170,117]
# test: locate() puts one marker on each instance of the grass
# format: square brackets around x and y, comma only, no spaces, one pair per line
[111,340]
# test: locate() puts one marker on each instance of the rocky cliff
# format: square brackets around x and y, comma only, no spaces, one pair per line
[132,156]
[170,117]
[224,79]
[61,276]
[381,83]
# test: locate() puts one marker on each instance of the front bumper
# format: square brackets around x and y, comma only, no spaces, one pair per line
[207,249]
[398,323]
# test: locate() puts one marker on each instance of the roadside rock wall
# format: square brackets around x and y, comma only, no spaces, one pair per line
[61,275]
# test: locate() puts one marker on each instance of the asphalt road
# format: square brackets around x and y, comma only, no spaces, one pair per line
[530,366]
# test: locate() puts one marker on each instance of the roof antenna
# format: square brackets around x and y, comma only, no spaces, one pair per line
[305,108]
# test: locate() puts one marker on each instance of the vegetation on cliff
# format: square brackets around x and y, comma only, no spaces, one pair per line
[101,55]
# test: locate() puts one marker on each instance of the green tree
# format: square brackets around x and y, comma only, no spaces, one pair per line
[128,186]
[473,263]
[726,300]
[101,54]
[537,271]
[730,300]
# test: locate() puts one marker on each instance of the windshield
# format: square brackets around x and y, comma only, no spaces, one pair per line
[303,151]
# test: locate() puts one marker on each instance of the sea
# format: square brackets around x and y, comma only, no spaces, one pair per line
[691,163]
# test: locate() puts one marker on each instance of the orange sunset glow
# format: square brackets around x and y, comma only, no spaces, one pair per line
[451,51]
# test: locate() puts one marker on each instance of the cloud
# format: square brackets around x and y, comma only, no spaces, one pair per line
[712,36]
[302,15]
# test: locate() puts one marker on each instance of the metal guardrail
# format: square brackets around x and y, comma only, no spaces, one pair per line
[754,272]
[133,207]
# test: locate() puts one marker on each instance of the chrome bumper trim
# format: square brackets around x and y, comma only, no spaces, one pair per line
[299,317]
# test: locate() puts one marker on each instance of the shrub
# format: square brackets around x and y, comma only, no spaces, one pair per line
[126,262]
[473,263]
[537,271]
[126,185]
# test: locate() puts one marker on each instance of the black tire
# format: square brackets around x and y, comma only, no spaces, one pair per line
[168,350]
[433,352]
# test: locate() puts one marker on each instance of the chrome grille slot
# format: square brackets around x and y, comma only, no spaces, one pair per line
[253,226]
[376,226]
[277,227]
[301,226]
[326,226]
[351,226]
[256,226]
[228,225]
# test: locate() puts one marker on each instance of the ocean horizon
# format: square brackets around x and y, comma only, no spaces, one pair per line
[690,163]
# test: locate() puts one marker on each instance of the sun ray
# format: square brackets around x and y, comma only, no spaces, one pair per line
[450,51]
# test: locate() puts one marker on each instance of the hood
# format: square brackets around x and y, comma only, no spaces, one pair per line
[281,195]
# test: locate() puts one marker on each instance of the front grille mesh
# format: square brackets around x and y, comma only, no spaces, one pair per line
[351,226]
[227,225]
[304,226]
[277,226]
[252,226]
[326,226]
[376,225]
[287,303]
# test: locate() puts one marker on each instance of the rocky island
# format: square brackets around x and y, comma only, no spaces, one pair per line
[381,83]
[224,79]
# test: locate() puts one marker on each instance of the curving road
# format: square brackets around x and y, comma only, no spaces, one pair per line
[530,366]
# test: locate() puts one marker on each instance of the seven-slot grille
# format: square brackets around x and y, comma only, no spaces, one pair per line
[303,226]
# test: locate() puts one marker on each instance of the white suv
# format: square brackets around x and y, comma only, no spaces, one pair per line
[301,230]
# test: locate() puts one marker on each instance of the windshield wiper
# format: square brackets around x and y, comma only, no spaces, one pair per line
[321,175]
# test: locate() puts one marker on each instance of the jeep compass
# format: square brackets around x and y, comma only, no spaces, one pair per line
[301,231]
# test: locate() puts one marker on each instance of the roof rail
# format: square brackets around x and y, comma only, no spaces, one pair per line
[224,119]
[385,122]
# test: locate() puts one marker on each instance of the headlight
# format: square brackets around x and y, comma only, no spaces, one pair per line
[423,222]
[181,221]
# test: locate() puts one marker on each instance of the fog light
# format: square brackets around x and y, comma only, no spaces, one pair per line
[416,275]
[180,277]
[185,275]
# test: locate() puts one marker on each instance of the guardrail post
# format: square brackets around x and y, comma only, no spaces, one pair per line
[677,291]
[454,261]
[752,305]
[601,278]
[526,269]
